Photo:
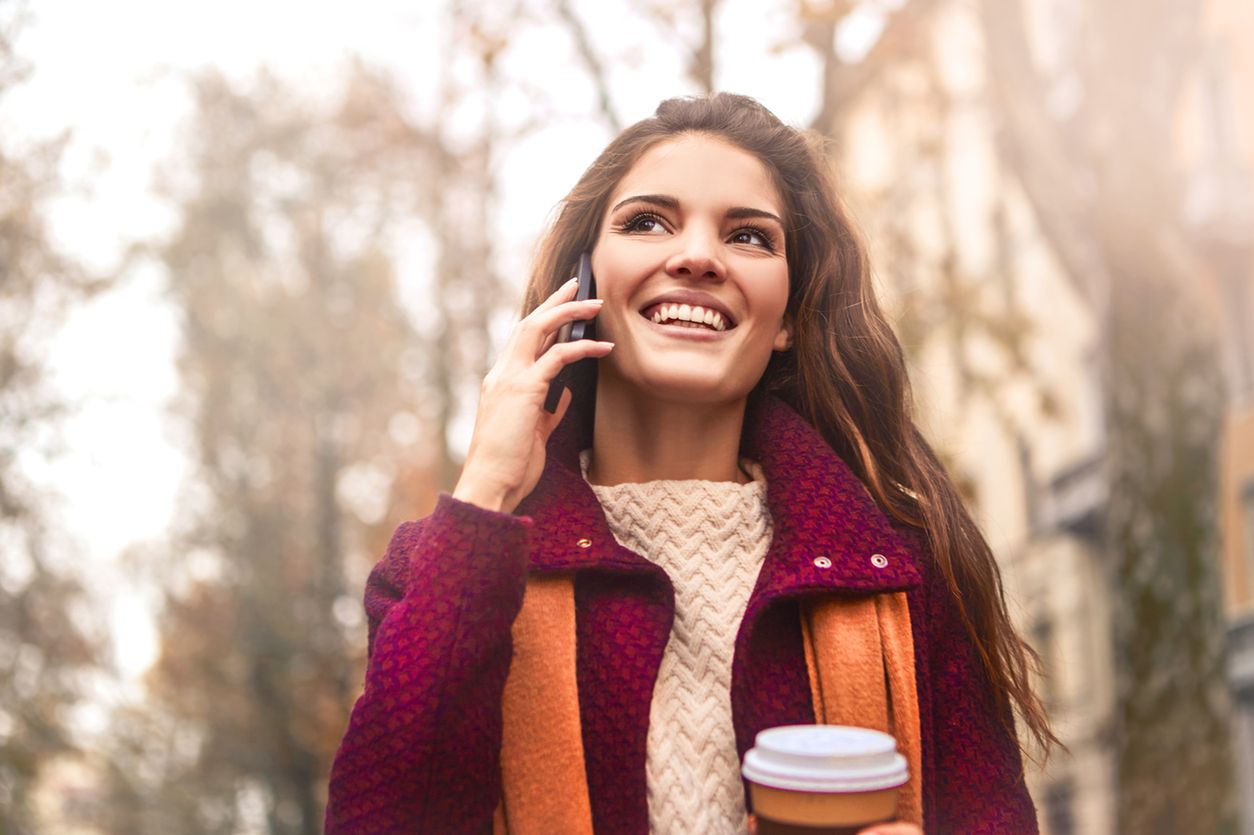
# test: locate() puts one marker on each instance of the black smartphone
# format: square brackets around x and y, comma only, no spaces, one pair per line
[578,329]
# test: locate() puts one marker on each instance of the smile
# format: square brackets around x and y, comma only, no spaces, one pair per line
[684,315]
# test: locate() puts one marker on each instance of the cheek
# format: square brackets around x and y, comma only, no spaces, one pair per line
[606,269]
[619,269]
[771,296]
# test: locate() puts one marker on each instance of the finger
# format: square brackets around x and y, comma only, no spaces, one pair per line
[547,343]
[534,330]
[563,354]
[563,293]
[556,326]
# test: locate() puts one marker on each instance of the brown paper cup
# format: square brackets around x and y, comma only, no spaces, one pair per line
[823,778]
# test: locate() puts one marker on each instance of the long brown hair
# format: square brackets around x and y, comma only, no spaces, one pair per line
[845,373]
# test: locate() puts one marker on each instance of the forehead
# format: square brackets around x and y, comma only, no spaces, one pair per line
[701,170]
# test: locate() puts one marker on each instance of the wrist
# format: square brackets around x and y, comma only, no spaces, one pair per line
[480,494]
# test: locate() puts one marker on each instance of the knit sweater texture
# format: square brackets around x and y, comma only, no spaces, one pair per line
[710,537]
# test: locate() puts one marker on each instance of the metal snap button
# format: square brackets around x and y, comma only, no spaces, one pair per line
[822,562]
[584,543]
[879,560]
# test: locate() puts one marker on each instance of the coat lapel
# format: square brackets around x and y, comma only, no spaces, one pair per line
[829,533]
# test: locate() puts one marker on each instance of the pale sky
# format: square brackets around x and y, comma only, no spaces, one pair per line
[111,73]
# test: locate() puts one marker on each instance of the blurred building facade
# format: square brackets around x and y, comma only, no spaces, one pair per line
[1027,447]
[1217,138]
[957,249]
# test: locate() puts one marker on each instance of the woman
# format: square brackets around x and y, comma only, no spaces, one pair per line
[736,455]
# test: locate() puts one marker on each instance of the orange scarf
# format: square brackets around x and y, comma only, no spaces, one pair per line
[860,658]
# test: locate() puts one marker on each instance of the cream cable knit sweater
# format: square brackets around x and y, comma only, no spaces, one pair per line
[711,538]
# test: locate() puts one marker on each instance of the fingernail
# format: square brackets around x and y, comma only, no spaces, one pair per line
[597,301]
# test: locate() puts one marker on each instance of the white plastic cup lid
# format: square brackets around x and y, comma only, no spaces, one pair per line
[825,758]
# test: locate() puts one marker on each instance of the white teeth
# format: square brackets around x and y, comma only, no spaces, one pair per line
[694,314]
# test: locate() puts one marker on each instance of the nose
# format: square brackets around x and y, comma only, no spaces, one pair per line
[697,257]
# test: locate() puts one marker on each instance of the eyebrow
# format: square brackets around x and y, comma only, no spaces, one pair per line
[668,202]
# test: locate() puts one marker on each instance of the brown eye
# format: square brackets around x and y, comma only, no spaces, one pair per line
[753,236]
[645,222]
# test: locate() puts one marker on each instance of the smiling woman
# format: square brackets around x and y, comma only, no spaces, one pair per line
[731,508]
[671,396]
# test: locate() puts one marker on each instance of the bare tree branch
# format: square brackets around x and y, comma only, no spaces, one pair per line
[701,65]
[592,61]
[843,82]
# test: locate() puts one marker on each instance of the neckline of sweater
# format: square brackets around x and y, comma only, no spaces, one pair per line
[758,484]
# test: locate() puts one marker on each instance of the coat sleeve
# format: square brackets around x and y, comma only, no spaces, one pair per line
[977,784]
[422,746]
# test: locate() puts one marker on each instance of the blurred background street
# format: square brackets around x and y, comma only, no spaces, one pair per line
[255,258]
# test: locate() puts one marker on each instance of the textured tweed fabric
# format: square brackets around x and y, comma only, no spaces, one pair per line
[710,538]
[421,752]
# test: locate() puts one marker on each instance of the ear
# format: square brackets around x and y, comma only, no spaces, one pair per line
[783,339]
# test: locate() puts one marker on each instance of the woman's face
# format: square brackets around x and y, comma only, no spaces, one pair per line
[691,265]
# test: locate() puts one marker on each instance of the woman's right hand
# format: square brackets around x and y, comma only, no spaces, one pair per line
[506,454]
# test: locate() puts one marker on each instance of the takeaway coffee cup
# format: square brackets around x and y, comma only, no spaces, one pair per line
[828,779]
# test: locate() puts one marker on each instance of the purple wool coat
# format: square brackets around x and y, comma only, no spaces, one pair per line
[421,750]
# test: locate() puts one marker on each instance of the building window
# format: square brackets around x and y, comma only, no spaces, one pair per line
[1059,812]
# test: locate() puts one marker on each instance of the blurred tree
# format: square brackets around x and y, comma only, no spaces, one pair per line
[842,80]
[1091,136]
[689,28]
[593,63]
[304,387]
[49,642]
[459,196]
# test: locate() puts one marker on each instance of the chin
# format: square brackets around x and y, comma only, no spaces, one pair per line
[704,386]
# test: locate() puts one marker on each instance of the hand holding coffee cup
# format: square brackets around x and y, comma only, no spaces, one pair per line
[823,779]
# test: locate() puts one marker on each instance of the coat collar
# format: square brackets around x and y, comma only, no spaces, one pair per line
[829,533]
